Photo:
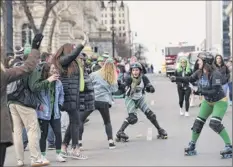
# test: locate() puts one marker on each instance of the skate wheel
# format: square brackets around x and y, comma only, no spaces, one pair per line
[191,153]
[226,156]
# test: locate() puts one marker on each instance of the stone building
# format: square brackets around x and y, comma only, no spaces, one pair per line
[72,19]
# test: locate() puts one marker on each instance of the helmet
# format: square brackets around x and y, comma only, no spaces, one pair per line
[136,65]
[206,57]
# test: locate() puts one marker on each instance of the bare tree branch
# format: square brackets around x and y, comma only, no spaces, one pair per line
[49,7]
[29,16]
[51,32]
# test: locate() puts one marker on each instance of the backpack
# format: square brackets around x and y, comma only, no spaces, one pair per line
[15,88]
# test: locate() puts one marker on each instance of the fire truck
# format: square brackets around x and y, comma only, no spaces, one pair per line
[171,52]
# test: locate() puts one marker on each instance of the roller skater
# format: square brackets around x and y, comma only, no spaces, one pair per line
[214,102]
[136,83]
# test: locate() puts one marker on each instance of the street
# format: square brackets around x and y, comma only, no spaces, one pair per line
[139,151]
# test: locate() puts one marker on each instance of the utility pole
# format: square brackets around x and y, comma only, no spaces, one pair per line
[113,31]
[9,28]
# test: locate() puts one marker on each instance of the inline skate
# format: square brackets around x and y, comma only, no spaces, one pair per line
[190,151]
[122,137]
[162,134]
[226,152]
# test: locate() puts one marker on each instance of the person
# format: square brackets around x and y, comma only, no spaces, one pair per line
[87,98]
[223,69]
[20,114]
[135,85]
[50,93]
[72,80]
[183,89]
[105,83]
[229,65]
[215,102]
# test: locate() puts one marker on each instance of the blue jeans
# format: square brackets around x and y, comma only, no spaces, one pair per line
[230,90]
[51,136]
[25,138]
[225,87]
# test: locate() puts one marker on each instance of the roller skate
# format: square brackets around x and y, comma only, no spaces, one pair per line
[162,134]
[227,152]
[122,137]
[190,151]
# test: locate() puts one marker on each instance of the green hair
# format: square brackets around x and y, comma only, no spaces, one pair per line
[179,67]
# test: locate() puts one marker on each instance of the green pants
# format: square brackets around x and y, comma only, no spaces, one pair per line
[217,111]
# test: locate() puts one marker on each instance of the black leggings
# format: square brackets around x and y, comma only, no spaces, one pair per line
[184,94]
[3,147]
[56,126]
[72,131]
[103,108]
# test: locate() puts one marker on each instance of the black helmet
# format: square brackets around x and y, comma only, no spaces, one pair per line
[136,65]
[206,57]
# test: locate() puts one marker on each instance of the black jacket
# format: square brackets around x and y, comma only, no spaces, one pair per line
[179,84]
[71,84]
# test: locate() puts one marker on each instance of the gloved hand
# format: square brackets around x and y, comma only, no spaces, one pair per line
[197,92]
[173,78]
[37,41]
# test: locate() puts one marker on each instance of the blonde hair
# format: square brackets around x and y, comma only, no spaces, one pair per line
[108,73]
[2,67]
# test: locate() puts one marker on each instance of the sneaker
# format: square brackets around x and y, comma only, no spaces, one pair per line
[186,114]
[181,112]
[65,154]
[45,161]
[51,147]
[80,146]
[37,163]
[112,145]
[60,158]
[26,148]
[78,155]
[20,163]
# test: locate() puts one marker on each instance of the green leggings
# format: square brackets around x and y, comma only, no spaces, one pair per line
[218,110]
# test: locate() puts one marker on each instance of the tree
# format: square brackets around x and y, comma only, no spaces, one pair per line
[49,4]
[51,32]
[140,51]
[122,48]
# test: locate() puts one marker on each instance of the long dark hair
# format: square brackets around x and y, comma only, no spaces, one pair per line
[45,71]
[63,51]
[222,61]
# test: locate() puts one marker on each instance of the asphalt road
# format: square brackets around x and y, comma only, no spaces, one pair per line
[139,151]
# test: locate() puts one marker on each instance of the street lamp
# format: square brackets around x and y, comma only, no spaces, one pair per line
[132,35]
[113,21]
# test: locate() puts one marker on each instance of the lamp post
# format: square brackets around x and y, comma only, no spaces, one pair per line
[132,35]
[113,2]
[27,45]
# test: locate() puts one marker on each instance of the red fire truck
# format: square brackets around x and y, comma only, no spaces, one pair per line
[171,53]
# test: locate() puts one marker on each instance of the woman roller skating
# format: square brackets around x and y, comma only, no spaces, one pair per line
[135,85]
[215,103]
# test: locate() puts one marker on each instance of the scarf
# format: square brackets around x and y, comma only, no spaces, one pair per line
[135,82]
[81,74]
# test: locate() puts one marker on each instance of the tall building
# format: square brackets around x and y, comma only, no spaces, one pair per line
[229,13]
[225,23]
[73,18]
[121,21]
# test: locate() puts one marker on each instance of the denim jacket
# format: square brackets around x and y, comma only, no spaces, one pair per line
[44,110]
[103,91]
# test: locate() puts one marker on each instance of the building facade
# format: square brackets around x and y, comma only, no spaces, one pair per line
[121,20]
[229,13]
[73,18]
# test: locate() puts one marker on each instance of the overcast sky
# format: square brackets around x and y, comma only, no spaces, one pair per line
[160,22]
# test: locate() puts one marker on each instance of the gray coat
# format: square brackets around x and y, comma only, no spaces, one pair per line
[7,76]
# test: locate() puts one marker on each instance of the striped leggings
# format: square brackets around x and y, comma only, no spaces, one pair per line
[132,105]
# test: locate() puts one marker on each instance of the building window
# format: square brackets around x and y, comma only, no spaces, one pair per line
[119,34]
[124,34]
[119,21]
[123,21]
[119,15]
[26,34]
[123,28]
[120,28]
[102,22]
[123,15]
[105,21]
[106,15]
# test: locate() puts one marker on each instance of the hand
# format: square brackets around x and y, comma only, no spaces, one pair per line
[172,78]
[54,77]
[197,92]
[37,41]
[85,39]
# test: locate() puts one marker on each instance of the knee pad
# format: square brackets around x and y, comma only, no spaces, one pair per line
[150,115]
[216,125]
[132,119]
[198,125]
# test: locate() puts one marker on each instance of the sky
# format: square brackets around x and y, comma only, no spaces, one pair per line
[159,22]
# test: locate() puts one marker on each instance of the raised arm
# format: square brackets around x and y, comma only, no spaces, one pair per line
[187,79]
[17,73]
